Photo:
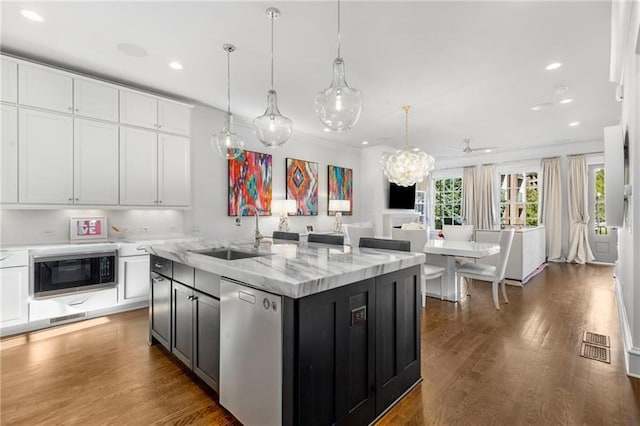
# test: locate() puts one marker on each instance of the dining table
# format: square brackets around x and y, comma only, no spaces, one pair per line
[442,252]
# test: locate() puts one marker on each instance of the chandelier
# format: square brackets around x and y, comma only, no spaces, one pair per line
[407,166]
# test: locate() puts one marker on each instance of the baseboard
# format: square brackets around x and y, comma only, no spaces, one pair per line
[631,353]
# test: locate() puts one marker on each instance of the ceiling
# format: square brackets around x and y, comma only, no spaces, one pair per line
[469,69]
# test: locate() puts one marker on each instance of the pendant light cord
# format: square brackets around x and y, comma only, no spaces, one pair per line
[228,82]
[406,125]
[272,19]
[338,28]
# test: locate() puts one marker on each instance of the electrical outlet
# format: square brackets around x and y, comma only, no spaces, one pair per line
[195,227]
[145,228]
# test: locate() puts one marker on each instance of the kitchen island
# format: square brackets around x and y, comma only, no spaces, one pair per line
[308,333]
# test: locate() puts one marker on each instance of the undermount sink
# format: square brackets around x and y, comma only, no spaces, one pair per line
[229,254]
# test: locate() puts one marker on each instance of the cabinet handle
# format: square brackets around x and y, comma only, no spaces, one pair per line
[160,202]
[194,297]
[70,109]
[157,279]
[3,258]
[71,199]
[76,303]
[190,297]
[77,110]
[158,265]
[159,125]
[77,199]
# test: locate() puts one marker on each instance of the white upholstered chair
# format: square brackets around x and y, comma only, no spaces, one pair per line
[355,232]
[458,232]
[494,274]
[418,238]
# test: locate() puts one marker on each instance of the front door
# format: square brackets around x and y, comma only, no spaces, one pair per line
[602,239]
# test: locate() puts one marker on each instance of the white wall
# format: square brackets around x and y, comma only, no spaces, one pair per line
[208,217]
[625,69]
[21,226]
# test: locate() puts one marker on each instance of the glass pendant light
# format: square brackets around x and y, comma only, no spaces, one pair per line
[272,128]
[407,166]
[339,106]
[228,143]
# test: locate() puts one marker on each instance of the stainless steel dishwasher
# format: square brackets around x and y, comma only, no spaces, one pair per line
[251,354]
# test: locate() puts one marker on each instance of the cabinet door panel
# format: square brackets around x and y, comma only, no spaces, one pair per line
[206,356]
[174,171]
[138,110]
[14,294]
[138,167]
[9,88]
[161,309]
[9,155]
[182,323]
[133,279]
[96,162]
[45,157]
[174,118]
[45,88]
[95,100]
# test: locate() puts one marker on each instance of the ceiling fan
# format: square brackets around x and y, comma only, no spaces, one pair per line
[467,149]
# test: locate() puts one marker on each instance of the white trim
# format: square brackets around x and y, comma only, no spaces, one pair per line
[631,353]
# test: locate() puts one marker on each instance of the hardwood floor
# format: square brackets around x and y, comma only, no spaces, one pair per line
[480,366]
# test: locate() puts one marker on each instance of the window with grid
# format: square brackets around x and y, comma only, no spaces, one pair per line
[448,207]
[519,199]
[599,218]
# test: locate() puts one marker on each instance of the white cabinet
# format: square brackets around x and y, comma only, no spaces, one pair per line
[138,167]
[9,155]
[138,110]
[45,88]
[133,279]
[95,100]
[95,177]
[9,88]
[174,172]
[174,118]
[45,157]
[14,295]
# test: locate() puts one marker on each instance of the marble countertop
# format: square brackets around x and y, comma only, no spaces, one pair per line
[293,269]
[461,248]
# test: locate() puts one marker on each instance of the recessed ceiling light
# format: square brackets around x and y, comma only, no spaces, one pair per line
[574,124]
[566,101]
[365,142]
[176,65]
[487,150]
[553,66]
[31,15]
[131,49]
[541,106]
[326,129]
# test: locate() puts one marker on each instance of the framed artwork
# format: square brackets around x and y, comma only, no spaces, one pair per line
[250,183]
[340,187]
[302,186]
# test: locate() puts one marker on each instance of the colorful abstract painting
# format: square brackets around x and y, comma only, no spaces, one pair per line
[250,183]
[340,186]
[302,186]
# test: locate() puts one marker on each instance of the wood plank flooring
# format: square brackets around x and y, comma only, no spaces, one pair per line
[480,366]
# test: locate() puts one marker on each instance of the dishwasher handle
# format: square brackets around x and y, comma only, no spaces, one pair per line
[247,297]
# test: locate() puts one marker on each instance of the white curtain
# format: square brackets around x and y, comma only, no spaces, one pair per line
[486,199]
[468,196]
[551,208]
[579,249]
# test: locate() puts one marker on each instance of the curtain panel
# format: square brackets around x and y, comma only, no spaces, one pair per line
[551,208]
[480,197]
[579,249]
[468,196]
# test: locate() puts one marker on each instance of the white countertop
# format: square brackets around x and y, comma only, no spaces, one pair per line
[461,248]
[293,269]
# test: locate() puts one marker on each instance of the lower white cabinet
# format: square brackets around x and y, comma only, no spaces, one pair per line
[72,304]
[14,293]
[133,279]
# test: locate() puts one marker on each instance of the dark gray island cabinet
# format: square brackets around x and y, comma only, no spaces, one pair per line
[347,353]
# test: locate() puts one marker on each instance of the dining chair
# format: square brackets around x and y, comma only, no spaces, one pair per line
[326,239]
[355,232]
[281,235]
[458,232]
[385,244]
[491,273]
[418,238]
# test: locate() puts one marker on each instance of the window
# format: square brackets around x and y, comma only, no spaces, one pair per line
[599,217]
[448,208]
[519,199]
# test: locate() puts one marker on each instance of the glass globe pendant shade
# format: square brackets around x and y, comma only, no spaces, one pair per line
[228,143]
[272,128]
[406,167]
[339,106]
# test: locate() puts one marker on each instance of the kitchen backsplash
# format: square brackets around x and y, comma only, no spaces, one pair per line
[19,227]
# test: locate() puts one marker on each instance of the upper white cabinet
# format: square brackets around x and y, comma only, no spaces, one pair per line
[174,118]
[45,157]
[95,177]
[141,110]
[45,88]
[9,155]
[138,167]
[9,88]
[95,100]
[174,171]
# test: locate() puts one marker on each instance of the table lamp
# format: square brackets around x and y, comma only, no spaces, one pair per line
[339,206]
[284,207]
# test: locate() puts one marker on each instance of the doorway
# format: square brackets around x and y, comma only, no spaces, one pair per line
[602,238]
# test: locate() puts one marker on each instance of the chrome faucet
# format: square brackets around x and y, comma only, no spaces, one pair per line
[257,236]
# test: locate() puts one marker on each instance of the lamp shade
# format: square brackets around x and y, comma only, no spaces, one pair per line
[339,205]
[284,206]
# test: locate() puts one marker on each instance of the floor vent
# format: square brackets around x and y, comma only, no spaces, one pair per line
[67,317]
[595,352]
[596,339]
